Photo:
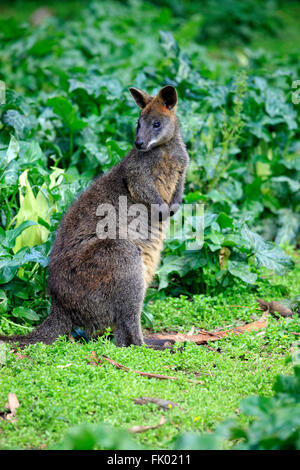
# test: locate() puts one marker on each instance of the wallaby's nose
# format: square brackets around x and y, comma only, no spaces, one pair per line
[139,144]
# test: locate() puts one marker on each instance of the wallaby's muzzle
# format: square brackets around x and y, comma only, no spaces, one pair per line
[139,144]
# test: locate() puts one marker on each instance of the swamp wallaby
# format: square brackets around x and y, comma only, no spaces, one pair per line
[96,280]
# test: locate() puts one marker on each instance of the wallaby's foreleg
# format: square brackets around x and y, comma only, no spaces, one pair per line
[177,196]
[146,193]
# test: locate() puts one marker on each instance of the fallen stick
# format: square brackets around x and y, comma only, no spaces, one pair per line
[164,404]
[243,306]
[146,374]
[137,429]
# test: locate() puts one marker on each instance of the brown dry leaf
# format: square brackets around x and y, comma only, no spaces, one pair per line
[94,360]
[12,405]
[146,374]
[19,355]
[137,429]
[164,404]
[204,336]
[272,307]
[22,356]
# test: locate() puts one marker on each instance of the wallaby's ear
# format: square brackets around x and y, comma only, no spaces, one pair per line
[168,95]
[140,97]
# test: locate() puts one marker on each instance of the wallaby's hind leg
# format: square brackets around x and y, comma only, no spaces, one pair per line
[112,293]
[127,311]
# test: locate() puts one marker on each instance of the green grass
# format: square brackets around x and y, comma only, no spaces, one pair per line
[53,399]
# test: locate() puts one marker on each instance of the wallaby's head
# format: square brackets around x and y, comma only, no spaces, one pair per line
[157,121]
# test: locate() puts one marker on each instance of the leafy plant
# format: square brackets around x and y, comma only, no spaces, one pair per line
[99,436]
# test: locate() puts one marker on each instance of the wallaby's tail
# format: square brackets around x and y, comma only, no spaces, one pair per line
[55,325]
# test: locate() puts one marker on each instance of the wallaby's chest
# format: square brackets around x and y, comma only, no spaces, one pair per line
[165,174]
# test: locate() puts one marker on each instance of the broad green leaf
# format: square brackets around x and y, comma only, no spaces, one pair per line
[35,255]
[12,235]
[266,254]
[67,112]
[31,208]
[169,44]
[216,237]
[31,153]
[225,221]
[273,258]
[252,239]
[13,149]
[56,177]
[257,406]
[263,169]
[195,441]
[289,227]
[9,266]
[242,271]
[293,184]
[16,120]
[42,47]
[22,124]
[173,264]
[88,436]
[3,302]
[24,312]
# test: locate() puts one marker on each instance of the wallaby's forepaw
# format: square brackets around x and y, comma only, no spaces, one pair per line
[164,211]
[174,208]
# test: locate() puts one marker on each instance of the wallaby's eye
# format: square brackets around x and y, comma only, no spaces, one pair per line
[156,124]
